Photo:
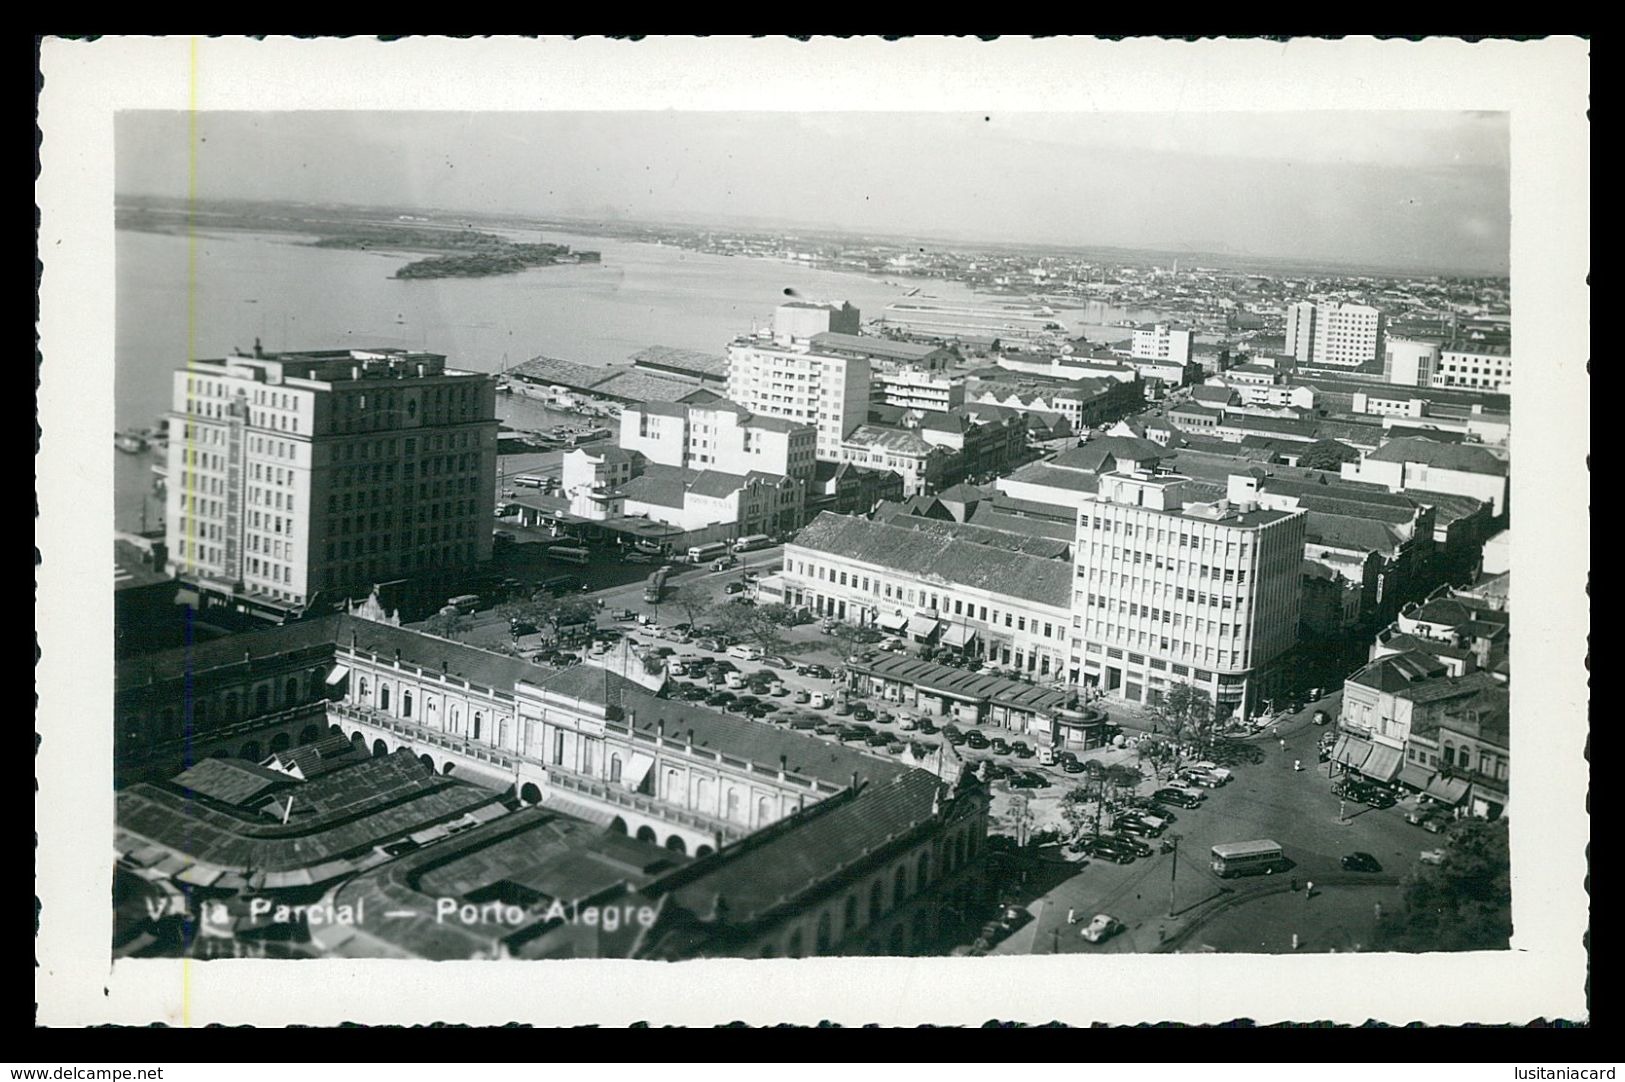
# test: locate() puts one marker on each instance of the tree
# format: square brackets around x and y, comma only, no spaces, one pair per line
[1185,714]
[1327,455]
[695,604]
[1465,902]
[1076,809]
[758,625]
[447,625]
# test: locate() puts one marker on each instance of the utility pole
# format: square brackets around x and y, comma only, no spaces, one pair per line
[1173,872]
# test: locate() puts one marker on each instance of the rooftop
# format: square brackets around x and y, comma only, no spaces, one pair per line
[1048,548]
[898,440]
[1042,473]
[939,559]
[1440,456]
[875,346]
[682,360]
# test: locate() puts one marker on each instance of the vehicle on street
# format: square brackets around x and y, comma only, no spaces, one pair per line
[1207,766]
[994,771]
[1104,848]
[466,604]
[975,739]
[802,722]
[518,627]
[719,698]
[1198,777]
[1360,862]
[1102,928]
[907,724]
[1431,856]
[700,554]
[803,696]
[1135,845]
[1020,750]
[635,557]
[844,709]
[877,739]
[817,672]
[1144,826]
[926,726]
[1072,766]
[1179,798]
[1029,779]
[998,746]
[862,712]
[1261,857]
[752,542]
[744,652]
[778,691]
[734,680]
[569,554]
[734,588]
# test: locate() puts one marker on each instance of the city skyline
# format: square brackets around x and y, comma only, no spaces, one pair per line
[1409,192]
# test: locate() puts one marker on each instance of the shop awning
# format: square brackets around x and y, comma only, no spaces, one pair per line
[578,809]
[958,635]
[892,621]
[1382,764]
[1351,751]
[1446,790]
[1415,775]
[922,627]
[338,674]
[636,770]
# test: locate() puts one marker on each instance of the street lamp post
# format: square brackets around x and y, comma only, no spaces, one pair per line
[1173,872]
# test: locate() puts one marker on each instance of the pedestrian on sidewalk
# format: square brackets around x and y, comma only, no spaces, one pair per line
[1072,916]
[1309,891]
[1297,764]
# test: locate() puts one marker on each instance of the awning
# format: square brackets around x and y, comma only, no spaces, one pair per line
[1382,764]
[636,770]
[958,635]
[1446,790]
[338,674]
[1415,775]
[1351,751]
[892,621]
[922,627]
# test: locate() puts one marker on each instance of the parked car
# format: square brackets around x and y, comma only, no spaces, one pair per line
[1431,856]
[999,746]
[517,627]
[862,712]
[1029,779]
[926,725]
[1198,777]
[1179,798]
[734,588]
[976,739]
[994,771]
[1106,848]
[884,717]
[1134,825]
[844,709]
[719,698]
[803,722]
[1139,848]
[1020,750]
[1361,862]
[817,672]
[1072,766]
[803,696]
[1102,928]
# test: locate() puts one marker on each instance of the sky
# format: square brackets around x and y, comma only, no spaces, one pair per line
[1407,190]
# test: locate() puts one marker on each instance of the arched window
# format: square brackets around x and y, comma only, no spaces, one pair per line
[764,811]
[646,834]
[475,732]
[669,789]
[821,944]
[586,756]
[923,876]
[899,890]
[877,901]
[431,710]
[383,696]
[849,917]
[406,704]
[733,803]
[1464,760]
[290,691]
[362,694]
[702,794]
[614,768]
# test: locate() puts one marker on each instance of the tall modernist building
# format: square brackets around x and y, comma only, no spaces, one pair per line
[1173,591]
[293,474]
[1335,335]
[778,373]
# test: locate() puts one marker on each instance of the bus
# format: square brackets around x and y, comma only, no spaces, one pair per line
[699,554]
[531,480]
[464,603]
[569,554]
[1262,857]
[752,543]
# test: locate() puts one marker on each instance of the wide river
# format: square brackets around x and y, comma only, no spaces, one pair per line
[291,295]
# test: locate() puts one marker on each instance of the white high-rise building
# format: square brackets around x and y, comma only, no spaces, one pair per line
[1334,334]
[1172,591]
[777,374]
[1162,343]
[295,473]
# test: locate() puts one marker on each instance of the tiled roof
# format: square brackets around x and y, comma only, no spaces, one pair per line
[1442,456]
[1032,578]
[778,424]
[1398,672]
[963,493]
[1042,473]
[335,821]
[1437,435]
[685,360]
[946,422]
[662,409]
[231,781]
[1285,425]
[1417,644]
[988,515]
[655,491]
[1036,509]
[1451,687]
[701,396]
[763,874]
[1092,455]
[1343,531]
[1222,395]
[634,386]
[316,635]
[898,440]
[982,535]
[551,370]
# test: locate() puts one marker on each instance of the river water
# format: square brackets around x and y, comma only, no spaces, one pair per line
[292,295]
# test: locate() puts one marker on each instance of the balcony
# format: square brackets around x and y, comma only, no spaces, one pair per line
[570,781]
[423,735]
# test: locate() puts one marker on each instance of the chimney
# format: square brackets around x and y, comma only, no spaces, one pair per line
[397,655]
[691,739]
[259,351]
[660,728]
[854,781]
[784,764]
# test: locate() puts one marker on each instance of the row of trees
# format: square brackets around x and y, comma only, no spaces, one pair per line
[1084,806]
[1185,718]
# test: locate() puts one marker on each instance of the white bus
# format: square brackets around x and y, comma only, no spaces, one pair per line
[569,554]
[1262,857]
[752,542]
[531,480]
[699,554]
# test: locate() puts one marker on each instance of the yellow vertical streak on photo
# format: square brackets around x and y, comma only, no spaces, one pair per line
[190,496]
